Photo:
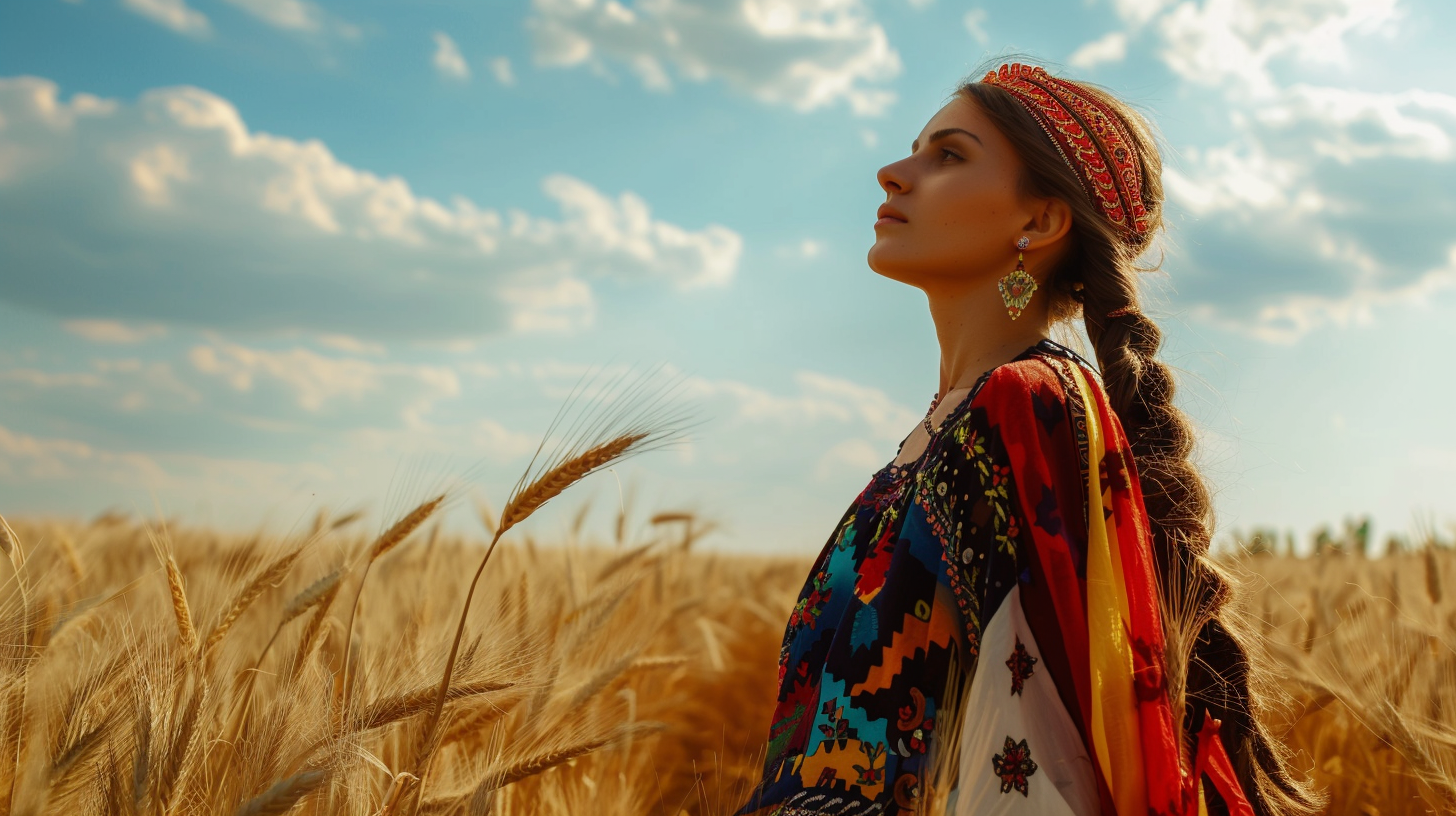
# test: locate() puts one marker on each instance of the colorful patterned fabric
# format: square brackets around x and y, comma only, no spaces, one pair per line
[921,561]
[1091,139]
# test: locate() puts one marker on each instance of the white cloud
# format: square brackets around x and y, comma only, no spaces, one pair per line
[805,54]
[47,380]
[563,308]
[174,14]
[113,331]
[316,379]
[821,398]
[1239,178]
[127,384]
[244,229]
[1234,41]
[1327,204]
[975,23]
[1111,47]
[886,418]
[1291,318]
[853,455]
[448,60]
[1350,126]
[807,248]
[350,345]
[23,456]
[290,15]
[1324,202]
[500,67]
[154,170]
[1139,12]
[141,481]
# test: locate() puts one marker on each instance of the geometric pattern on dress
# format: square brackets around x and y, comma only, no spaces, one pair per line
[894,598]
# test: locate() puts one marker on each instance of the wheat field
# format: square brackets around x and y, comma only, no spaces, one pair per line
[151,667]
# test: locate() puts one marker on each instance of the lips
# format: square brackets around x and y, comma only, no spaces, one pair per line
[888,212]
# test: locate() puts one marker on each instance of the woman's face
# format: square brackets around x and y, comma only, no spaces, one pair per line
[953,208]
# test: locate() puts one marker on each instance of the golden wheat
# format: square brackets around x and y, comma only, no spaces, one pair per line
[603,677]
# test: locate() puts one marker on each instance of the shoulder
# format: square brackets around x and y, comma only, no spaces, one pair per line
[1040,383]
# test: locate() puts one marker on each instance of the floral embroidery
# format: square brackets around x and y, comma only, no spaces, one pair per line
[807,610]
[1014,765]
[1020,664]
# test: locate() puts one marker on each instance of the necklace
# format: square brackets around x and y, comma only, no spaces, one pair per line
[933,403]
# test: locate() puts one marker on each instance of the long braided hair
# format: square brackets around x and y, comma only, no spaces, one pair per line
[1218,679]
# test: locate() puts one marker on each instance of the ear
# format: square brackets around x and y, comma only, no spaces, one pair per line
[1050,222]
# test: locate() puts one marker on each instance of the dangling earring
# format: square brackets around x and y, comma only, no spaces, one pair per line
[1017,286]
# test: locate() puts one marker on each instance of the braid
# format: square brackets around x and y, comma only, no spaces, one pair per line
[1216,680]
[1211,668]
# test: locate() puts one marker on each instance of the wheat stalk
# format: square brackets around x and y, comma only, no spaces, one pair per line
[546,760]
[282,795]
[403,783]
[518,509]
[604,445]
[391,538]
[398,707]
[182,733]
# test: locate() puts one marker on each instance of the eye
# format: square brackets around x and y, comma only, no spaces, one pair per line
[948,153]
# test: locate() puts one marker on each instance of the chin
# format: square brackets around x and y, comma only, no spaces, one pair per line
[886,262]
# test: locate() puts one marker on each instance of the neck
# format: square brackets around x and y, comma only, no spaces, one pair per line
[975,332]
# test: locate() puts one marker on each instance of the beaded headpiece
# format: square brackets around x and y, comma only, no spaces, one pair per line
[1090,138]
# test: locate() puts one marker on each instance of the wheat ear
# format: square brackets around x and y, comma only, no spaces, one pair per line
[267,577]
[311,631]
[392,537]
[482,716]
[605,446]
[400,706]
[551,484]
[533,765]
[10,544]
[72,558]
[558,479]
[186,632]
[282,795]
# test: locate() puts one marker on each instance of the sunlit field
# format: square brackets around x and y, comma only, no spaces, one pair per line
[152,667]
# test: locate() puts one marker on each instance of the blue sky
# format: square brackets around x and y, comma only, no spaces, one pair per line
[261,255]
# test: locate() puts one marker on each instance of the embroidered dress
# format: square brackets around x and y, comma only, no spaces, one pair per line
[981,548]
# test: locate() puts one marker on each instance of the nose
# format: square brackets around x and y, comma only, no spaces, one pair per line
[893,179]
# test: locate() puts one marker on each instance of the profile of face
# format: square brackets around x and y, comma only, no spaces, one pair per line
[954,207]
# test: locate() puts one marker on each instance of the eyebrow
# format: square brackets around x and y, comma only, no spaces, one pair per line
[941,134]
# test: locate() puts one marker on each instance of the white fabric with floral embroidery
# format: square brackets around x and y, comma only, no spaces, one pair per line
[1020,754]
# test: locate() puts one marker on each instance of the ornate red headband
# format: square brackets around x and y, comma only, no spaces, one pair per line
[1090,138]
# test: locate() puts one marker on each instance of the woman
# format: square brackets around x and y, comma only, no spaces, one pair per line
[1003,621]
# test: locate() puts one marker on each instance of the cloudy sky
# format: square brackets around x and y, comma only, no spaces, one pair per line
[262,255]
